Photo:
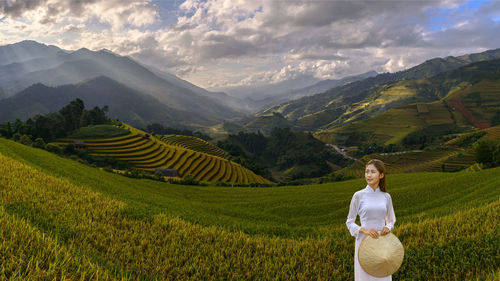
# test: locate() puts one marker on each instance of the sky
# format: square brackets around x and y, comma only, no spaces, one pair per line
[228,44]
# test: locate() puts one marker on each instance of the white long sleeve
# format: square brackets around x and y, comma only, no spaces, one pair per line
[374,208]
[351,217]
[390,217]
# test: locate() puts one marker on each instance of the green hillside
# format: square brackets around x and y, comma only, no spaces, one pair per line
[64,220]
[413,161]
[147,153]
[473,103]
[478,103]
[360,100]
[391,126]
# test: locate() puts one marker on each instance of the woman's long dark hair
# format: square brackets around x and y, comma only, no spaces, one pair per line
[381,169]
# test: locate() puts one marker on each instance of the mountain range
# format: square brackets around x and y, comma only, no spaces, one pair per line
[460,100]
[130,105]
[369,97]
[36,79]
[53,67]
[318,87]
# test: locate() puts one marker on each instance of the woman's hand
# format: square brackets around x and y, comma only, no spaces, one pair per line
[385,230]
[372,232]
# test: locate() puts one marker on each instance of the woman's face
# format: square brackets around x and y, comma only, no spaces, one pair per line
[372,175]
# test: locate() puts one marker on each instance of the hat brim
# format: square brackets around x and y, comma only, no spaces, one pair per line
[381,256]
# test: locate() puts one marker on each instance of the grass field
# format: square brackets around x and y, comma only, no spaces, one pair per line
[64,220]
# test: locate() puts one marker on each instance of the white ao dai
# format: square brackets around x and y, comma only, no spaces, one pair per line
[375,211]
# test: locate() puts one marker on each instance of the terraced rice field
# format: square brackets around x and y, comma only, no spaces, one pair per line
[393,125]
[493,132]
[478,102]
[148,153]
[458,162]
[193,143]
[425,161]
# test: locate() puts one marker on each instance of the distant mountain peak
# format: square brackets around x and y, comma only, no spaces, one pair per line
[98,79]
[24,51]
[27,42]
[83,50]
[106,51]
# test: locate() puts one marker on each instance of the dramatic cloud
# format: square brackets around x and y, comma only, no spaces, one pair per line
[223,44]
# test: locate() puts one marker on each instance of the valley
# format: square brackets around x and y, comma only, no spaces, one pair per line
[112,169]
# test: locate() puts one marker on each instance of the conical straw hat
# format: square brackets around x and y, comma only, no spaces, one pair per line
[382,256]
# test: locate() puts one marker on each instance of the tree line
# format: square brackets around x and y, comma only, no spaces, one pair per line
[51,126]
[159,129]
[281,150]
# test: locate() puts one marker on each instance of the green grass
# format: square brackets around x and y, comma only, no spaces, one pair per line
[284,211]
[99,131]
[142,229]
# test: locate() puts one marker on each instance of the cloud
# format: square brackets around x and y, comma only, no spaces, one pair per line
[136,13]
[223,43]
[16,8]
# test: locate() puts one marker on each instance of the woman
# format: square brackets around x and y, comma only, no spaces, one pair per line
[374,207]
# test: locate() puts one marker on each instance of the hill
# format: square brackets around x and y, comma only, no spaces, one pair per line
[77,66]
[76,222]
[467,139]
[24,51]
[285,154]
[468,97]
[147,153]
[371,96]
[316,88]
[124,103]
[413,161]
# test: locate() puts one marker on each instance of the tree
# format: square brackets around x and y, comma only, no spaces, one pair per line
[486,151]
[26,140]
[72,114]
[6,130]
[53,148]
[69,149]
[39,142]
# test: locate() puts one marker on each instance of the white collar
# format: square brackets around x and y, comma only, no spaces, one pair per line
[371,189]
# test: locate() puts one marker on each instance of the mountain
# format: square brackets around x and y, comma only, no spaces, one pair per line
[258,92]
[371,96]
[24,51]
[316,88]
[124,103]
[464,99]
[230,101]
[266,123]
[83,64]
